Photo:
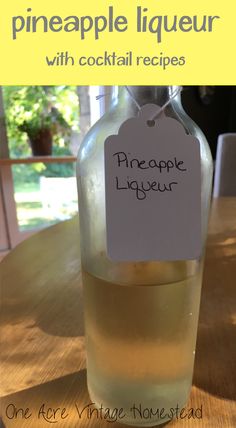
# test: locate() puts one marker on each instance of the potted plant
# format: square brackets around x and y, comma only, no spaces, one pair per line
[35,113]
[40,130]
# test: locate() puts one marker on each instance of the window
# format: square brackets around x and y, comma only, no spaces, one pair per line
[41,128]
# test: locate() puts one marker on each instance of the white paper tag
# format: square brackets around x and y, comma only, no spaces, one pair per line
[153,190]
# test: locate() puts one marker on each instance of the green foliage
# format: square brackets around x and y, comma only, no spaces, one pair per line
[30,108]
[28,173]
[62,169]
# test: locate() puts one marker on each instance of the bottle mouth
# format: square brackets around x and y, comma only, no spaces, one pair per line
[148,94]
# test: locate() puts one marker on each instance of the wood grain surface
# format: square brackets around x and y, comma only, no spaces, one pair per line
[42,342]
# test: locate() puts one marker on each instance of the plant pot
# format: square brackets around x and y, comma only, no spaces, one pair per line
[41,143]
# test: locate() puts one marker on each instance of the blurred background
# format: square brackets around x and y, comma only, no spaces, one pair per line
[41,128]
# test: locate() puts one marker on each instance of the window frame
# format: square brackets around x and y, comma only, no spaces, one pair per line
[10,234]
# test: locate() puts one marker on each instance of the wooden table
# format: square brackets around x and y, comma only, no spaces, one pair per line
[42,350]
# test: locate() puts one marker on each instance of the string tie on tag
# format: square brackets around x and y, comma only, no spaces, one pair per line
[153,118]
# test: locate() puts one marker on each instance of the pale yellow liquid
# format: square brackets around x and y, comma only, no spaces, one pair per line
[140,344]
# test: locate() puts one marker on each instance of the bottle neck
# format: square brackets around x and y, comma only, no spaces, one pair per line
[143,94]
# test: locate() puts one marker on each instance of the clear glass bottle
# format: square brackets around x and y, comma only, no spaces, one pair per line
[140,318]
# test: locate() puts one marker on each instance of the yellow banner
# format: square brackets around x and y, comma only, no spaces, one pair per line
[118,42]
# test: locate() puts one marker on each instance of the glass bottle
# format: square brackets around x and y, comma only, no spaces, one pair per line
[140,318]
